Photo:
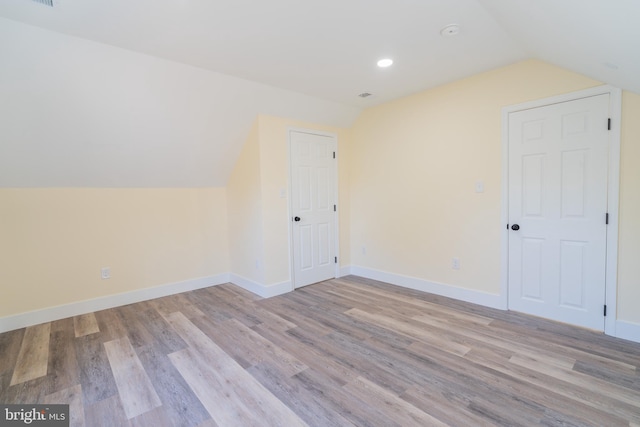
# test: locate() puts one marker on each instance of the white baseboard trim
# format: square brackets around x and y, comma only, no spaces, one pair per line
[22,320]
[344,271]
[265,291]
[468,295]
[628,330]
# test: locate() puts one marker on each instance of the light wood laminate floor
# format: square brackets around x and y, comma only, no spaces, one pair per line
[344,352]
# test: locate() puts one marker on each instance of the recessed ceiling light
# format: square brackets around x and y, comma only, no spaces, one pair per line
[384,63]
[450,30]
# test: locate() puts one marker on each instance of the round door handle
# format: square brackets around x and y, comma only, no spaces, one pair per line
[515,227]
[296,219]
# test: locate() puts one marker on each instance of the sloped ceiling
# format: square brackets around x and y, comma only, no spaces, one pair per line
[162,92]
[597,38]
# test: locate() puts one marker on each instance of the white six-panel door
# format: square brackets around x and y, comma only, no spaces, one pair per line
[558,172]
[313,170]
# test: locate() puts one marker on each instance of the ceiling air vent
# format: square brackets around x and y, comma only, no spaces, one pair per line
[45,2]
[364,95]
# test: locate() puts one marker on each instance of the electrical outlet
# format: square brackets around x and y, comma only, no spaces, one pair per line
[105,273]
[364,250]
[455,263]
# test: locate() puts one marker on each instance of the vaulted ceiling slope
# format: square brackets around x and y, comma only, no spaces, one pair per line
[180,81]
[76,113]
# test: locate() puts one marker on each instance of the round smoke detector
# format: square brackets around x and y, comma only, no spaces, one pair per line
[450,30]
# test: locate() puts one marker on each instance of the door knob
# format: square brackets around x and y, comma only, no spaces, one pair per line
[296,219]
[515,227]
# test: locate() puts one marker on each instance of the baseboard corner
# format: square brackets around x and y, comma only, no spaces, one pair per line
[628,330]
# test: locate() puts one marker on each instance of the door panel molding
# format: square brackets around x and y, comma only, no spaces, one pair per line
[615,112]
[326,193]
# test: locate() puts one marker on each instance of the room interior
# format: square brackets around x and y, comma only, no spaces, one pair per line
[151,140]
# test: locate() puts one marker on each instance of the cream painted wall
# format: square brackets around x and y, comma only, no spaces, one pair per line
[274,155]
[258,215]
[413,168]
[53,242]
[244,203]
[629,237]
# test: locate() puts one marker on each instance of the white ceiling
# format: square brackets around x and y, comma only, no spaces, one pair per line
[329,48]
[325,50]
[322,48]
[597,38]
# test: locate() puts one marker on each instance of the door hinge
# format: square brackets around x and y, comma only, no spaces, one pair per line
[605,310]
[334,154]
[608,124]
[335,208]
[606,219]
[507,226]
[336,260]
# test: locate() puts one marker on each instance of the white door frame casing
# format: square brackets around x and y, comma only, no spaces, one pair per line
[336,239]
[613,189]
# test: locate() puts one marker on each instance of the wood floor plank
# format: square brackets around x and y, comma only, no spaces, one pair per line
[577,379]
[243,294]
[85,324]
[136,391]
[425,307]
[154,418]
[208,423]
[497,338]
[313,409]
[227,391]
[609,374]
[186,306]
[207,304]
[63,371]
[26,392]
[107,412]
[400,410]
[290,311]
[10,343]
[273,319]
[582,397]
[309,355]
[136,326]
[351,351]
[253,348]
[488,392]
[165,339]
[361,358]
[110,325]
[5,380]
[431,367]
[357,411]
[181,406]
[238,306]
[71,396]
[414,331]
[445,405]
[95,373]
[32,361]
